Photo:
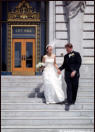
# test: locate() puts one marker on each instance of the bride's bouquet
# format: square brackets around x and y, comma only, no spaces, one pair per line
[40,65]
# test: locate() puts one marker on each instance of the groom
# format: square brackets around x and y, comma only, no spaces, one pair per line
[71,64]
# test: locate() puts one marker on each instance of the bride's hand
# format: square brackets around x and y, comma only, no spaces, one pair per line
[58,71]
[42,68]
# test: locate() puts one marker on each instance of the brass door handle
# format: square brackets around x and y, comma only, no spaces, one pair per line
[24,57]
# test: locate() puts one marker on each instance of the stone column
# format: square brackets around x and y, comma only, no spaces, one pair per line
[52,22]
[76,31]
[75,13]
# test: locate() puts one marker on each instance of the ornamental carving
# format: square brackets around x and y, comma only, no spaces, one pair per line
[73,7]
[23,12]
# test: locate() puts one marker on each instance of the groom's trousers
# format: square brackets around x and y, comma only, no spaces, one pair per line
[72,86]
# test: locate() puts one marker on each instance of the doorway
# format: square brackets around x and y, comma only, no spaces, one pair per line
[23,56]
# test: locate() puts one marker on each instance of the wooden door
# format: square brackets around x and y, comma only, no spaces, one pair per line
[23,56]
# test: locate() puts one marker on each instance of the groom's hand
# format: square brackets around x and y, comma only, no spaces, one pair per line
[59,72]
[73,73]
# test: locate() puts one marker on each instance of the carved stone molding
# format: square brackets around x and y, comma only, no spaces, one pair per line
[23,12]
[73,7]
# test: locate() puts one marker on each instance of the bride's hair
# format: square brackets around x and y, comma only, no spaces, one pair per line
[48,47]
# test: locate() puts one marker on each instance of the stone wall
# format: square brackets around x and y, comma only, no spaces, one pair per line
[59,30]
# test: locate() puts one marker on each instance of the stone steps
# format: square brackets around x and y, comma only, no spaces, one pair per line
[42,106]
[30,84]
[46,122]
[40,76]
[31,79]
[47,113]
[26,94]
[47,118]
[36,79]
[40,100]
[32,89]
[23,108]
[53,127]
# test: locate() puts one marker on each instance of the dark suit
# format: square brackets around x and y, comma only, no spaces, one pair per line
[72,62]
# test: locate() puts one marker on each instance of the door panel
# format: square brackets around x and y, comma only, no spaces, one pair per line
[23,59]
[30,55]
[17,54]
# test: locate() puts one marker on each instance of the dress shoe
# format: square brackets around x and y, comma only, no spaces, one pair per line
[67,107]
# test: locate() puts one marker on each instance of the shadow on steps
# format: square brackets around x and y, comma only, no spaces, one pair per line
[38,93]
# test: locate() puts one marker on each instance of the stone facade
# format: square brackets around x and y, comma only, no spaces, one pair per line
[79,31]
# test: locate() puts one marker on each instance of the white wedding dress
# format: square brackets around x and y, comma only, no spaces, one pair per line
[52,81]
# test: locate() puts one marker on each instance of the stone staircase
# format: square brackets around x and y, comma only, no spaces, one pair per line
[24,110]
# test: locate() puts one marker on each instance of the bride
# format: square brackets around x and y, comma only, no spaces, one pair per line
[52,80]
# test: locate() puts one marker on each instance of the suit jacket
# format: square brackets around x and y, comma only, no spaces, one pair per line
[72,62]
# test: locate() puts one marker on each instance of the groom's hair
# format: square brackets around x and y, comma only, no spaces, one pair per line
[68,45]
